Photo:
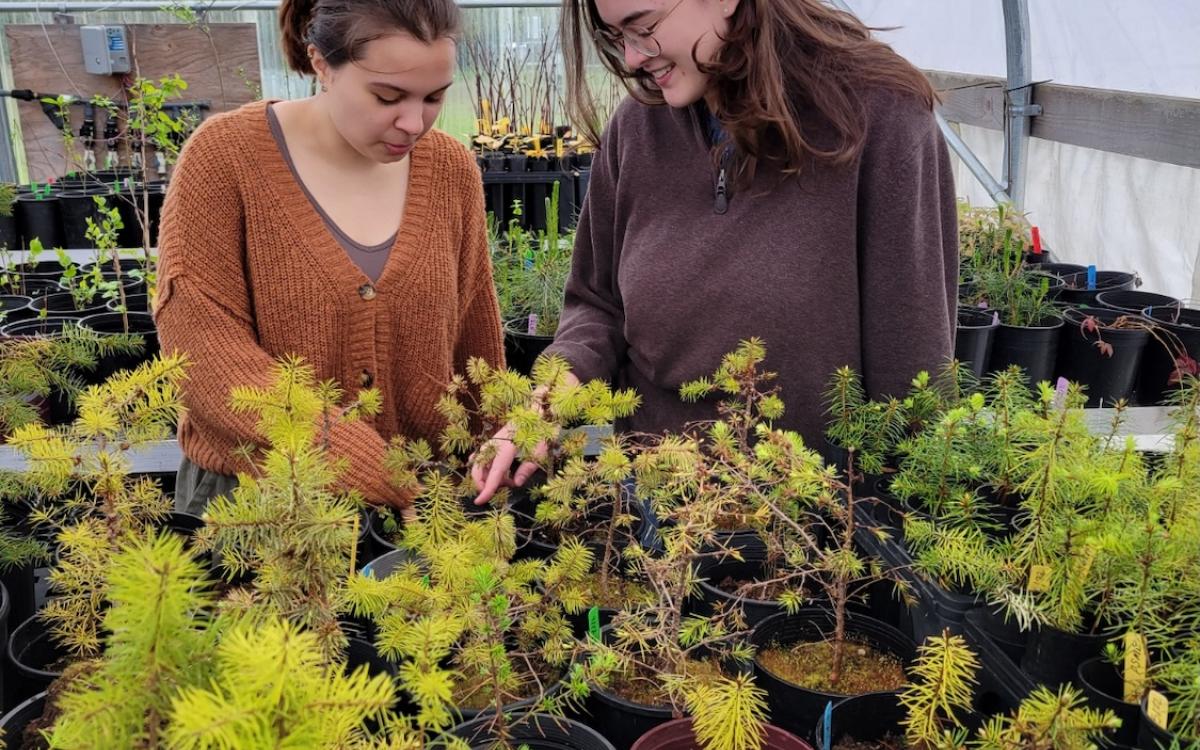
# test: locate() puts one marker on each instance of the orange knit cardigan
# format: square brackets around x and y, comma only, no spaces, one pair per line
[248,272]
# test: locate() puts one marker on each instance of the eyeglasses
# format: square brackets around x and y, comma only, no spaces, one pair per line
[641,38]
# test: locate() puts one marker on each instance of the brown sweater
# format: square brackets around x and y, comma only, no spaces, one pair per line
[844,265]
[250,272]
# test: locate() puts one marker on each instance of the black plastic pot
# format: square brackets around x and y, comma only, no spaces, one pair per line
[9,238]
[1134,302]
[1077,293]
[1104,688]
[5,610]
[1004,634]
[29,286]
[1060,269]
[530,546]
[63,305]
[795,708]
[75,208]
[36,327]
[680,735]
[714,570]
[19,594]
[14,722]
[15,307]
[623,722]
[1108,376]
[380,538]
[33,655]
[1033,348]
[496,163]
[974,336]
[38,218]
[518,163]
[1157,365]
[865,718]
[1153,737]
[1052,657]
[133,302]
[109,323]
[521,350]
[534,731]
[131,283]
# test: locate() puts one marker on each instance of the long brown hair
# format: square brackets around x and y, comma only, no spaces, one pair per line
[340,28]
[780,58]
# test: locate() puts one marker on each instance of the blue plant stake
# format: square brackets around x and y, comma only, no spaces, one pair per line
[827,727]
[1091,277]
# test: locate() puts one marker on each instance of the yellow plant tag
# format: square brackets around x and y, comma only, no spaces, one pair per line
[558,147]
[1039,578]
[1156,708]
[1136,663]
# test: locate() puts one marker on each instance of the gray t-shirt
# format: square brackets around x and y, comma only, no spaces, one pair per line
[369,258]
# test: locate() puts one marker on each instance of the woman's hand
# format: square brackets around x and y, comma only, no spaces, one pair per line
[492,476]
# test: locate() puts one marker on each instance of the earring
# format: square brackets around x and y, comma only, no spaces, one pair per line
[324,86]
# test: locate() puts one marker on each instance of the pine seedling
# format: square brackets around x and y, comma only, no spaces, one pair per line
[729,714]
[79,477]
[943,684]
[1048,721]
[274,686]
[158,644]
[288,522]
[40,366]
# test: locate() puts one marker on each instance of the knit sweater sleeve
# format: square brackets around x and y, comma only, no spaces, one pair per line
[479,333]
[204,311]
[908,247]
[591,331]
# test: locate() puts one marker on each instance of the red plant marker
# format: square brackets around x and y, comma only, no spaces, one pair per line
[1037,241]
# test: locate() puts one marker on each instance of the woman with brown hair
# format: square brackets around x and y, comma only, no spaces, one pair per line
[340,228]
[777,173]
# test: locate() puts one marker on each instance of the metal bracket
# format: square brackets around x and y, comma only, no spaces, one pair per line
[1025,110]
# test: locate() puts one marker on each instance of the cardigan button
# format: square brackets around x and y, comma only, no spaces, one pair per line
[367,292]
[366,379]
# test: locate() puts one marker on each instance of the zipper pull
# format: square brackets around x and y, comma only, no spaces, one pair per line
[722,203]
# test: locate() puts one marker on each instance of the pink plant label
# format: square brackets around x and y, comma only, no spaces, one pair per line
[533,321]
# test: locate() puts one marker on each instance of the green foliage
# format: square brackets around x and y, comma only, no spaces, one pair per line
[288,521]
[868,430]
[159,644]
[274,687]
[530,269]
[8,196]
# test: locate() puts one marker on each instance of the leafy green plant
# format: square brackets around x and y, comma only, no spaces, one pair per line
[531,270]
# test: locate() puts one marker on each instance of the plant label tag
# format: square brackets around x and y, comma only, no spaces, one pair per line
[1060,393]
[995,318]
[1091,278]
[827,727]
[533,321]
[1136,663]
[594,624]
[1156,708]
[425,580]
[1039,578]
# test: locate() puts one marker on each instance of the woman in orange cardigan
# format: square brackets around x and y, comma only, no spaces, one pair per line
[340,228]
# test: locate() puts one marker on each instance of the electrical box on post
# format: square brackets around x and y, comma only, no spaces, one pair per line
[105,49]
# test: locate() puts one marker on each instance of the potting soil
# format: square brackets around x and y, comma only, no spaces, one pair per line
[864,670]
